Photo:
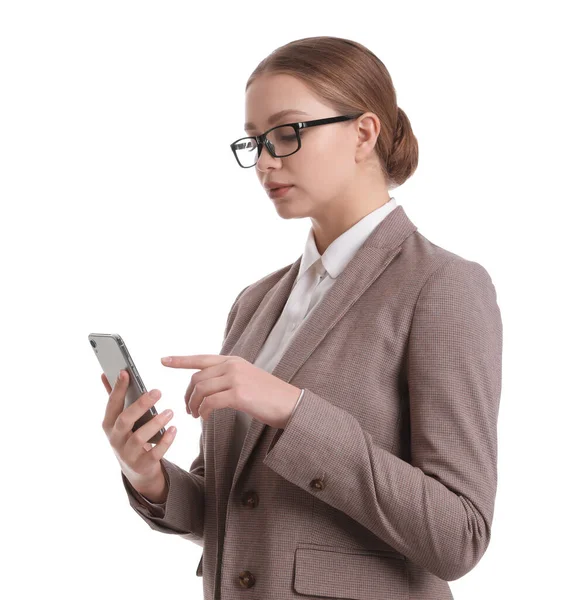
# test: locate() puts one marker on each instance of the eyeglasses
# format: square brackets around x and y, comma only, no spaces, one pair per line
[281,141]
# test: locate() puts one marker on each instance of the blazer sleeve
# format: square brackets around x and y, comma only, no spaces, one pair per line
[436,510]
[183,512]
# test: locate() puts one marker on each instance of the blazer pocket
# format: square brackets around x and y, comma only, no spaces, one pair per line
[199,568]
[350,573]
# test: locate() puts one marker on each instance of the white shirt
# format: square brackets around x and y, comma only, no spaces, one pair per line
[338,254]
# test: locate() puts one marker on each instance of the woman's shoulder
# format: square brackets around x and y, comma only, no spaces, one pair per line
[425,258]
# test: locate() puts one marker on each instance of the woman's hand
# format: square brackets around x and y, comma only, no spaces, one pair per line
[139,460]
[233,381]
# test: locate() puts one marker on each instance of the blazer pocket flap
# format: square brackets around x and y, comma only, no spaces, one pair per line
[353,574]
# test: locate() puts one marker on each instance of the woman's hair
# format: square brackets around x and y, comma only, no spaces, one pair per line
[352,80]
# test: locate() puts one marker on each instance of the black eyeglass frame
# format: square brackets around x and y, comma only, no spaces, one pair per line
[262,140]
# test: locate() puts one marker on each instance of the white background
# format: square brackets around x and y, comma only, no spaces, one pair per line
[123,210]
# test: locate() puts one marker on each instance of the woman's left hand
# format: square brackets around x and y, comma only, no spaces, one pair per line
[233,381]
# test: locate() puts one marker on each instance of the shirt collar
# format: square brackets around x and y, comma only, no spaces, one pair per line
[340,252]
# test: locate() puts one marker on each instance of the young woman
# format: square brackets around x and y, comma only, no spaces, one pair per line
[349,444]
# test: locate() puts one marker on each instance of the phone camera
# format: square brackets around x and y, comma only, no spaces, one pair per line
[93,343]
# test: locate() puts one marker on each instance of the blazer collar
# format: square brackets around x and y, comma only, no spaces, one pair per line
[371,259]
[341,251]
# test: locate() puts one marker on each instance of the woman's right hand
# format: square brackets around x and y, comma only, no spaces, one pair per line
[139,460]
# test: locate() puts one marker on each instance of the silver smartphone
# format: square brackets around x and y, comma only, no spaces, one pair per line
[113,356]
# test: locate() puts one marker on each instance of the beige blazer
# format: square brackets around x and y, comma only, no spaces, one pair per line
[382,485]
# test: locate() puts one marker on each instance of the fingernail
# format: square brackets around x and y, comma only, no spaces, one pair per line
[167,360]
[155,394]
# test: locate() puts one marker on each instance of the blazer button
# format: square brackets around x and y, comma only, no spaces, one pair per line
[317,484]
[246,579]
[250,499]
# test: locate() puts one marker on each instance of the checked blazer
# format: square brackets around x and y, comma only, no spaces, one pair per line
[382,485]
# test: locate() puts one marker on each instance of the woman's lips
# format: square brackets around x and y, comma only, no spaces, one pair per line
[280,192]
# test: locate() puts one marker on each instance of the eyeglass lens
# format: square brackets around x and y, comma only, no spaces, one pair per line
[283,141]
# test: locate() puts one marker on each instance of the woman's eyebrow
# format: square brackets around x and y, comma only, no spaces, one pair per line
[276,116]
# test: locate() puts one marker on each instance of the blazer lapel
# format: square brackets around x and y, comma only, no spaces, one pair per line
[371,259]
[247,347]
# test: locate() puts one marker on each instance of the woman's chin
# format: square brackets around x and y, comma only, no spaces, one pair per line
[289,209]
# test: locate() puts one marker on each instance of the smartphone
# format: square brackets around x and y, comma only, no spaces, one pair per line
[113,356]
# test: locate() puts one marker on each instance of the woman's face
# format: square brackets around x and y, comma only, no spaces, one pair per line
[324,168]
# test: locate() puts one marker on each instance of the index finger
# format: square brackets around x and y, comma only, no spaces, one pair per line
[105,383]
[193,361]
[116,400]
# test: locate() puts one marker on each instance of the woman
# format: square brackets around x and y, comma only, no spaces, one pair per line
[354,454]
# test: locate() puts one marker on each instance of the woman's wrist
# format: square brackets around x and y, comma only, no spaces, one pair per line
[155,491]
